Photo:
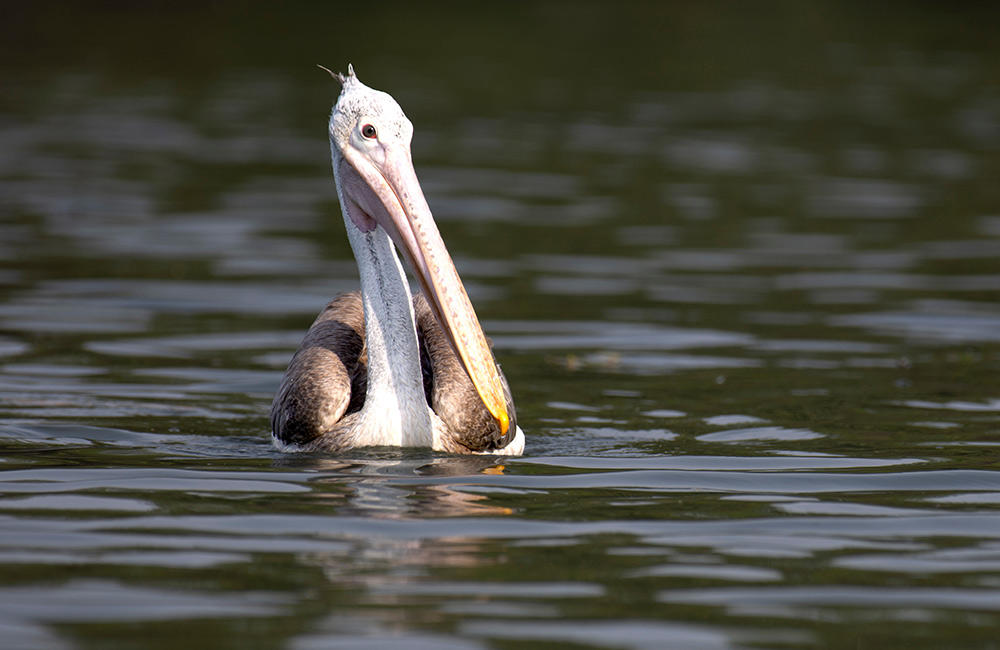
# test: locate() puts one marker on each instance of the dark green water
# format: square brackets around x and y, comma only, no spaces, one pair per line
[741,264]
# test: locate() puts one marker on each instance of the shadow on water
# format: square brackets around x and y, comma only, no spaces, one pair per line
[740,265]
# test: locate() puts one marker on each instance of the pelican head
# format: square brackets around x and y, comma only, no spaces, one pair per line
[370,142]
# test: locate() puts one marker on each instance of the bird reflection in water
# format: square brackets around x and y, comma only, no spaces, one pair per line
[399,487]
[384,569]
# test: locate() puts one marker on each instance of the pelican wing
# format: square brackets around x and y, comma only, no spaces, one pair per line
[450,392]
[326,377]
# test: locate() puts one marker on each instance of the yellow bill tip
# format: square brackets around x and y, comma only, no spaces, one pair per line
[504,422]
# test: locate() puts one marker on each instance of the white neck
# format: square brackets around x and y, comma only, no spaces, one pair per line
[395,411]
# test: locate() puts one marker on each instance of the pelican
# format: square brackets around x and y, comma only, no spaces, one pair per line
[380,367]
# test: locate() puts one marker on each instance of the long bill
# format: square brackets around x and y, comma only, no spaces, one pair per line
[389,194]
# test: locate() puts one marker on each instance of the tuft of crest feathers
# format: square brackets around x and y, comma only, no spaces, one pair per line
[338,76]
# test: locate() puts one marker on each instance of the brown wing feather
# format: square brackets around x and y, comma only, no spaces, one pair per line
[451,394]
[326,377]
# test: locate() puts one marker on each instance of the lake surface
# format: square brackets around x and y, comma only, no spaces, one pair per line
[741,266]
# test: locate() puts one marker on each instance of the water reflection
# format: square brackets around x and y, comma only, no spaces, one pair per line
[377,487]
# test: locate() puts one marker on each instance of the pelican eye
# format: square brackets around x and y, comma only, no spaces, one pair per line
[369,131]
